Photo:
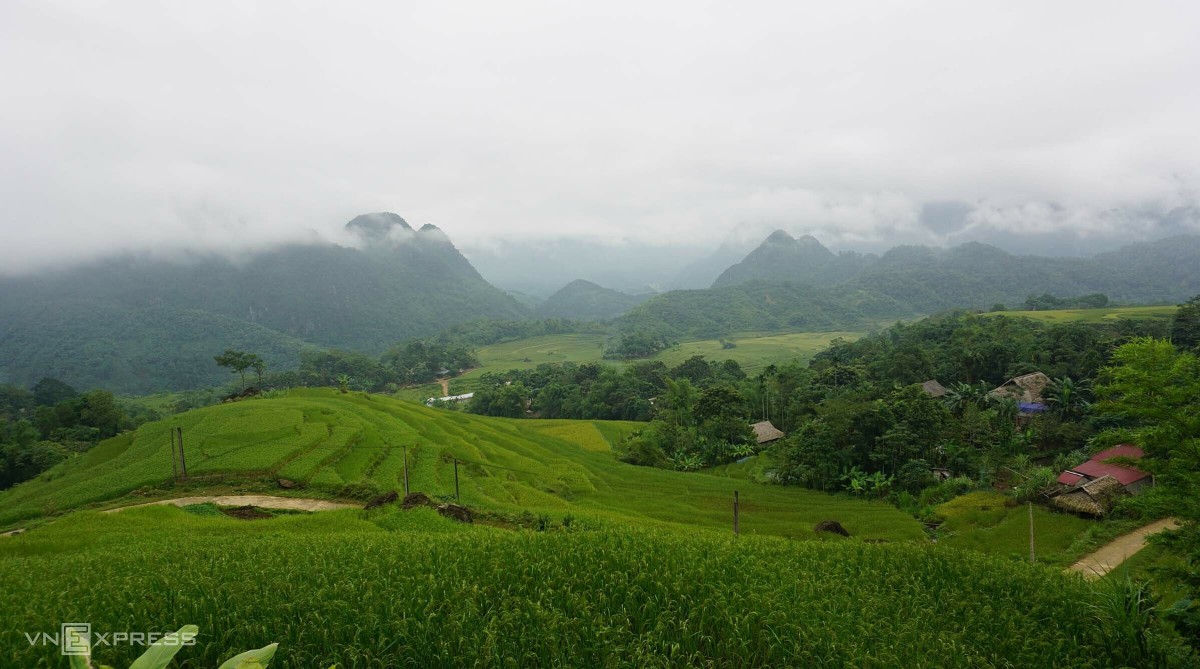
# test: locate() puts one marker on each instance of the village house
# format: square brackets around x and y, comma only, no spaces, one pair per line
[449,398]
[766,433]
[1093,487]
[1026,391]
[933,388]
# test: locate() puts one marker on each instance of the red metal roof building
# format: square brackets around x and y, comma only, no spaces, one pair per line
[1096,467]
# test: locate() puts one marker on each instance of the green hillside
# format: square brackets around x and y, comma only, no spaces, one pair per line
[759,306]
[328,441]
[585,301]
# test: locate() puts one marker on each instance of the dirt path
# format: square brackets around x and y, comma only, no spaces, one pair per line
[445,387]
[261,501]
[1111,555]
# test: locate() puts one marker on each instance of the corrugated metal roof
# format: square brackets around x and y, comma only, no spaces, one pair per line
[1070,478]
[1096,467]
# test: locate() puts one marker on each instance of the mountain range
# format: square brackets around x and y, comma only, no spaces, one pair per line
[792,283]
[137,324]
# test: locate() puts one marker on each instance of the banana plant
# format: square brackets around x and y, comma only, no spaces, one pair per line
[160,654]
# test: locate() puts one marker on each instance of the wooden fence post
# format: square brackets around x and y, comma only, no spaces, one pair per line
[735,512]
[405,470]
[1032,556]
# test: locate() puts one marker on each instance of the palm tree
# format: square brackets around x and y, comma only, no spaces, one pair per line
[960,396]
[343,381]
[1068,396]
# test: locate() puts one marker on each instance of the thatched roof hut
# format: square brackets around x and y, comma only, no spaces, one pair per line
[765,433]
[1025,389]
[1094,498]
[933,388]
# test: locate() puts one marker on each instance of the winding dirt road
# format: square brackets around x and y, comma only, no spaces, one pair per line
[261,501]
[1111,555]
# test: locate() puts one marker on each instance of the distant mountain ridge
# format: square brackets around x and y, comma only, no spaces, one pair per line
[789,283]
[583,300]
[140,325]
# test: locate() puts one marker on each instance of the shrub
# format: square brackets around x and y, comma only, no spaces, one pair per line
[946,491]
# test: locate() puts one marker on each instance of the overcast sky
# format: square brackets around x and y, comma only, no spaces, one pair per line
[130,125]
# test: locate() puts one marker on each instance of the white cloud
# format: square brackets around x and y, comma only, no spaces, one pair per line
[235,125]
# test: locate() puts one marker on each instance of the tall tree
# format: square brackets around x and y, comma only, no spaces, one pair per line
[1153,390]
[1068,396]
[1185,329]
[239,362]
[48,392]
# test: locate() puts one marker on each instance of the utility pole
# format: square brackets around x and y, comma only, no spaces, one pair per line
[735,512]
[182,459]
[405,470]
[1032,556]
[456,498]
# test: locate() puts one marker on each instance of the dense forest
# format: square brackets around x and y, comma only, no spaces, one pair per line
[51,421]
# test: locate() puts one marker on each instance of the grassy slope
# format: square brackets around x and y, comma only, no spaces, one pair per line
[755,353]
[1107,314]
[328,440]
[395,588]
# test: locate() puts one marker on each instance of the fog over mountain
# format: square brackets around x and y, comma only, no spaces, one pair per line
[1059,129]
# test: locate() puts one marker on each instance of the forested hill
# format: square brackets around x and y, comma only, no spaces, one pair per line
[805,260]
[977,275]
[585,301]
[135,324]
[759,306]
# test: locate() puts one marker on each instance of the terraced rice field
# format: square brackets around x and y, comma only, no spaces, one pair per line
[328,441]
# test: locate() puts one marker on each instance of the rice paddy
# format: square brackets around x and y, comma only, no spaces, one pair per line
[392,588]
[1104,315]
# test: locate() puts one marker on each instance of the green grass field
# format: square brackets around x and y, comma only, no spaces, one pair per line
[328,441]
[392,588]
[1104,315]
[992,523]
[753,351]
